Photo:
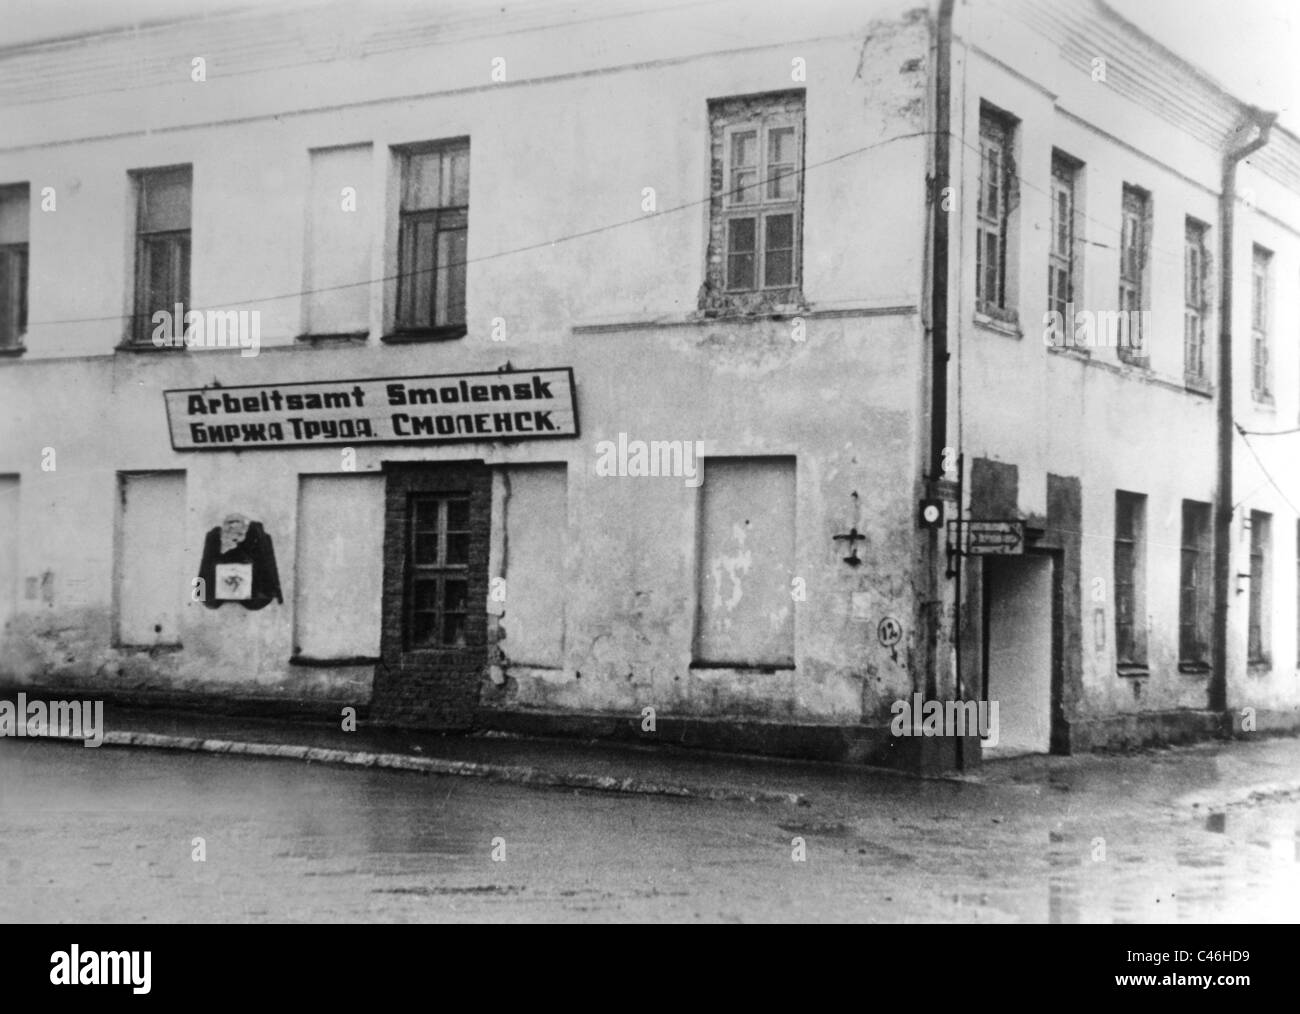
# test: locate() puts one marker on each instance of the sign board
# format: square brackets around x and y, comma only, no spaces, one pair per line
[234,581]
[987,538]
[446,408]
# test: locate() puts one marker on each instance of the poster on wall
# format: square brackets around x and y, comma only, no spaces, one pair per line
[238,565]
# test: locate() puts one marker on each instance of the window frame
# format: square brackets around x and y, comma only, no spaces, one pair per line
[15,276]
[1134,286]
[729,116]
[1261,313]
[446,219]
[13,302]
[1196,302]
[438,572]
[1259,631]
[766,206]
[177,244]
[997,134]
[1195,584]
[1130,633]
[1063,266]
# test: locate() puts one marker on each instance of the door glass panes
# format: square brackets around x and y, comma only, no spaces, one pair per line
[438,583]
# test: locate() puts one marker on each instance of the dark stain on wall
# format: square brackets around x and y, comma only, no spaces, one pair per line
[994,489]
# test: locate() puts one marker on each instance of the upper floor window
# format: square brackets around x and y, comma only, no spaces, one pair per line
[1134,258]
[1061,260]
[1261,371]
[432,239]
[993,208]
[1195,302]
[756,207]
[14,213]
[162,249]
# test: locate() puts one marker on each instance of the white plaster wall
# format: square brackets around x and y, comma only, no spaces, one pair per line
[553,154]
[1093,418]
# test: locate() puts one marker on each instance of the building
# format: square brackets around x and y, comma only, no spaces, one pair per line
[1114,154]
[585,368]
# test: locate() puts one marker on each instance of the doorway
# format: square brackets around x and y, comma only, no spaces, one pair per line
[1019,620]
[433,644]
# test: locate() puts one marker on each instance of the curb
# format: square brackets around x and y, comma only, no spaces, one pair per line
[512,774]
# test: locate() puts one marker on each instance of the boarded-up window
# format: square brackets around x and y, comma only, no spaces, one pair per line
[338,580]
[153,578]
[746,563]
[337,265]
[532,564]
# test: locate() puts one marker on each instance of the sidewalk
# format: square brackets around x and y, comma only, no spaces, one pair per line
[1206,776]
[556,763]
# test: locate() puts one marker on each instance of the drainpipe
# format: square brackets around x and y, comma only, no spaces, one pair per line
[939,270]
[1218,690]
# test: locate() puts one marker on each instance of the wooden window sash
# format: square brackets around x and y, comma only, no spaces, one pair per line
[174,245]
[993,212]
[1261,379]
[1060,263]
[762,206]
[438,572]
[1194,303]
[13,294]
[446,218]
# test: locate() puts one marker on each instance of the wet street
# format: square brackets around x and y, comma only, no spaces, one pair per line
[109,835]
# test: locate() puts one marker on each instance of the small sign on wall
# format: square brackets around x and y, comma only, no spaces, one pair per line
[234,581]
[987,538]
